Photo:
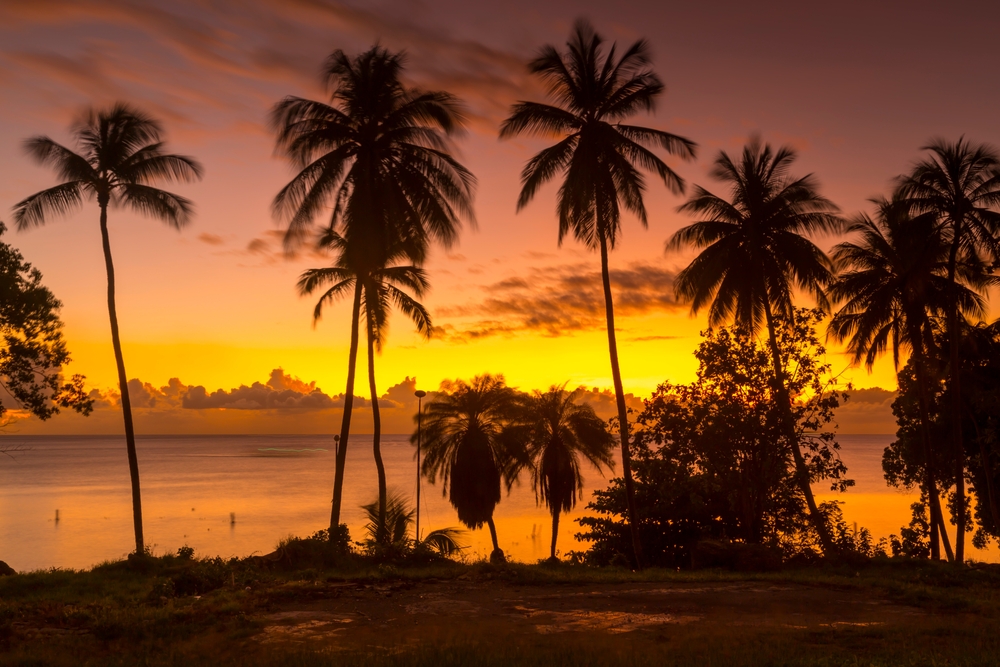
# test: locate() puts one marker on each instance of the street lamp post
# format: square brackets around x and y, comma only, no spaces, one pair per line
[420,395]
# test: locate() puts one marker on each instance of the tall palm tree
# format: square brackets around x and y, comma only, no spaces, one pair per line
[463,443]
[892,281]
[378,155]
[558,431]
[754,254]
[377,290]
[121,153]
[600,157]
[960,182]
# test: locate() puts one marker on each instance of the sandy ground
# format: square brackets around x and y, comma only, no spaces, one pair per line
[359,617]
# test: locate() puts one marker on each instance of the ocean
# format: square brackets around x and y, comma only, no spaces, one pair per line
[65,502]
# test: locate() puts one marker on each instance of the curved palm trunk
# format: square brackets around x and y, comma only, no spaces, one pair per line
[785,403]
[938,530]
[616,375]
[956,405]
[382,534]
[133,460]
[555,531]
[493,534]
[345,424]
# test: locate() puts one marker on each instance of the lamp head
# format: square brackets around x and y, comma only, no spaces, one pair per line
[420,393]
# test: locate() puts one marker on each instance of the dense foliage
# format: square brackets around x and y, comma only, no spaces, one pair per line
[32,349]
[711,458]
[904,461]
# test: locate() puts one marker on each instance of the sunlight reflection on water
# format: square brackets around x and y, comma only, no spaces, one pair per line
[281,485]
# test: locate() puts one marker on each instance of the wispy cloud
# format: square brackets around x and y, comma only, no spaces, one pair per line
[557,300]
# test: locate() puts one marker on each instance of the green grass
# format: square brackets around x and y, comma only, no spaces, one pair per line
[192,612]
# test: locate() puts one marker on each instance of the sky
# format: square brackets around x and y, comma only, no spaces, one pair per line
[212,327]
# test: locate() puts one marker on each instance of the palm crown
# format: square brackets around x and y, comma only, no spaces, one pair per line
[381,287]
[463,444]
[120,154]
[378,153]
[594,93]
[960,182]
[754,248]
[891,281]
[556,432]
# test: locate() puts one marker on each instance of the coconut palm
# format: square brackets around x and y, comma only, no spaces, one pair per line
[754,254]
[121,154]
[376,291]
[892,282]
[377,155]
[601,159]
[463,443]
[388,528]
[558,431]
[960,182]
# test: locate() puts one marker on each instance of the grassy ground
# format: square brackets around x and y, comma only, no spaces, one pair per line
[189,612]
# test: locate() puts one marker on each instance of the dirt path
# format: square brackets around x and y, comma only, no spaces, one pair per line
[358,616]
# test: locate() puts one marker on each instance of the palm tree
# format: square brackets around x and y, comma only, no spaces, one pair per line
[389,527]
[121,153]
[754,254]
[960,182]
[463,443]
[600,157]
[558,431]
[892,282]
[377,155]
[376,290]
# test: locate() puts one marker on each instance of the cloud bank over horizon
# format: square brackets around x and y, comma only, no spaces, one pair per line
[285,404]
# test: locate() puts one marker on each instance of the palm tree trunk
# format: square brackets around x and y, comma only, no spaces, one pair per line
[785,404]
[555,530]
[955,422]
[930,481]
[133,460]
[493,533]
[345,424]
[383,530]
[616,375]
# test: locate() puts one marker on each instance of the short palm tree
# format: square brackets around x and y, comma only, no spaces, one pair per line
[376,291]
[754,254]
[892,281]
[600,157]
[960,183]
[463,443]
[558,431]
[121,153]
[378,156]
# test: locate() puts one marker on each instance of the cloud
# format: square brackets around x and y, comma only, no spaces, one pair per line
[208,54]
[211,239]
[867,411]
[556,301]
[280,392]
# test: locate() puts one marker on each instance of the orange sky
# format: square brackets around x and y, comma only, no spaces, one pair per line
[856,88]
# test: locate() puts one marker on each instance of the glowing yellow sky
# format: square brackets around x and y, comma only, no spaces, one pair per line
[215,305]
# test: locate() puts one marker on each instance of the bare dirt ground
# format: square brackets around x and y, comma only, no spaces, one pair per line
[354,616]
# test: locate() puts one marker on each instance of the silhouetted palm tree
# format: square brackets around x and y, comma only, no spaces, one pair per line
[600,158]
[377,155]
[892,281]
[558,431]
[960,182]
[376,290]
[463,444]
[121,154]
[754,254]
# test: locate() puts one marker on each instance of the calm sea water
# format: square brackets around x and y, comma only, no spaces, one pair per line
[278,486]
